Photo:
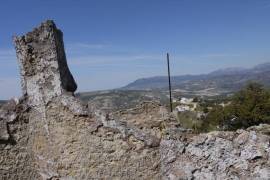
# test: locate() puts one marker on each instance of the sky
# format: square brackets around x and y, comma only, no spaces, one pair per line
[110,43]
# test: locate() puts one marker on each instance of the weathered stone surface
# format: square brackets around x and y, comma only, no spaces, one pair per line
[79,147]
[64,140]
[49,134]
[16,160]
[7,115]
[217,155]
[262,128]
[44,71]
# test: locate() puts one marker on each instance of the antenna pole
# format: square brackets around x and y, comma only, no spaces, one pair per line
[169,77]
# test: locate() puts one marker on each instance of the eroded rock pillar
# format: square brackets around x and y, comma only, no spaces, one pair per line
[43,67]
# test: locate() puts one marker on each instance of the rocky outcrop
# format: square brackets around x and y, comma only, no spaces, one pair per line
[16,159]
[217,155]
[60,138]
[262,128]
[49,134]
[43,66]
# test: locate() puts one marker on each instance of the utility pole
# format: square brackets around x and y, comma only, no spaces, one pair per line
[169,76]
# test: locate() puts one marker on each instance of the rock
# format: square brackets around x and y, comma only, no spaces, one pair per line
[261,173]
[44,71]
[262,128]
[216,156]
[58,136]
[7,115]
[4,135]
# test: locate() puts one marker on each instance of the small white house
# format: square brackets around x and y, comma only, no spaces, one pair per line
[186,100]
[182,108]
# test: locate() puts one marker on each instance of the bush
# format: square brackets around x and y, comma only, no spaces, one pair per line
[196,99]
[248,107]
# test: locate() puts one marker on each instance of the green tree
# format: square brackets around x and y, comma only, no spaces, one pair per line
[195,99]
[248,107]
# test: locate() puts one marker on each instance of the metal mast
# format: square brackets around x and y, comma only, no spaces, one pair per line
[169,77]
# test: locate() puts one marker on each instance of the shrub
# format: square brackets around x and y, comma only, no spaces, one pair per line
[248,107]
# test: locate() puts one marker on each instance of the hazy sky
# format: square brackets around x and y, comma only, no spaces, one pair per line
[110,43]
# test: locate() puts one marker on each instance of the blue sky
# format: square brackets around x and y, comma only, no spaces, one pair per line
[110,43]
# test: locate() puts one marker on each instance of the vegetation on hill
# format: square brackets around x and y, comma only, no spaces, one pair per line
[2,102]
[248,107]
[114,100]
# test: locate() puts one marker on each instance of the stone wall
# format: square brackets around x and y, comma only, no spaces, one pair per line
[63,139]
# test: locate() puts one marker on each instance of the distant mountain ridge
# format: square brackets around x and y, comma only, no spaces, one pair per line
[228,71]
[219,81]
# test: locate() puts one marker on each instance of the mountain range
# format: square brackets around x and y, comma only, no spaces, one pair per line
[218,82]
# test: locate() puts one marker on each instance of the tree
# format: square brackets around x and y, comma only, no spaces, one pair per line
[248,107]
[195,99]
[251,106]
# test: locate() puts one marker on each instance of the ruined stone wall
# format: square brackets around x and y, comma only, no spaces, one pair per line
[65,140]
[49,134]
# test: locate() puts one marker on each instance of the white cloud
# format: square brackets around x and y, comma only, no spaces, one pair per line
[84,48]
[97,60]
[10,87]
[85,45]
[7,57]
[267,4]
[6,52]
[9,84]
[219,55]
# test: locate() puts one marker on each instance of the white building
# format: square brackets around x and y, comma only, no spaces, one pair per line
[186,100]
[182,108]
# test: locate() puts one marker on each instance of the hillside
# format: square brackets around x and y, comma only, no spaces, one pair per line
[114,100]
[217,82]
[2,102]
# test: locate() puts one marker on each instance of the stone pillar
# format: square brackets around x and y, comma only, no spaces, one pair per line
[43,67]
[46,84]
